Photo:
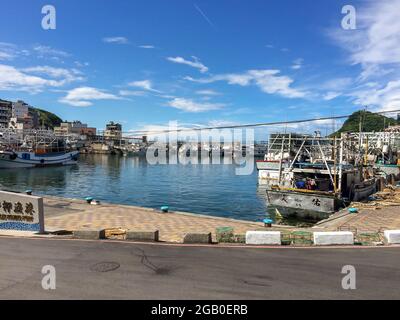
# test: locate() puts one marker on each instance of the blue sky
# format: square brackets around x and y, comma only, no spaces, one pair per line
[203,62]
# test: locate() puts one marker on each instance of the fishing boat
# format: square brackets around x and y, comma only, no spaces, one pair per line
[11,159]
[314,176]
[36,149]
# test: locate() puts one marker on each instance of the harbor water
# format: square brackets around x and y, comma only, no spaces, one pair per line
[213,190]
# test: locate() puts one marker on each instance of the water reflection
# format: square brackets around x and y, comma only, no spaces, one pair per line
[206,189]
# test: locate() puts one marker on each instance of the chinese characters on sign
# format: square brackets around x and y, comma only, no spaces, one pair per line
[16,211]
[21,212]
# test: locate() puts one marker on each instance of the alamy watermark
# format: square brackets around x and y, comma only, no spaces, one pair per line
[215,146]
[349,280]
[49,21]
[349,21]
[49,278]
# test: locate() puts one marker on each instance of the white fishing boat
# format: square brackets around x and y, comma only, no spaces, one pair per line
[28,149]
[11,159]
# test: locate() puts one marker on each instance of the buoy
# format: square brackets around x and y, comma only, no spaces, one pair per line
[268,223]
[165,209]
[89,199]
[353,210]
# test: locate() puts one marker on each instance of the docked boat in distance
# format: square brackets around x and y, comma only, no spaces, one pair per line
[11,159]
[36,151]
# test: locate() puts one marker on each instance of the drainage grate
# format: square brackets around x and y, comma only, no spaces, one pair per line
[105,266]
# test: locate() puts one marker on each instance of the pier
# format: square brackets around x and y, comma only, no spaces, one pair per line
[63,214]
[75,214]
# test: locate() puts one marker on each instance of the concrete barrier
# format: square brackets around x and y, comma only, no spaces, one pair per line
[142,235]
[90,234]
[333,238]
[263,237]
[392,236]
[197,238]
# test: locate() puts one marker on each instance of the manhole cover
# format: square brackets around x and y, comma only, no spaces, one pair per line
[105,266]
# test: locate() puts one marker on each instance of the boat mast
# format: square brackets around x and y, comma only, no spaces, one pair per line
[340,165]
[280,161]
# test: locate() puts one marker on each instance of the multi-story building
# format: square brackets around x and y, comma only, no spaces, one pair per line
[20,109]
[113,131]
[22,116]
[75,127]
[5,113]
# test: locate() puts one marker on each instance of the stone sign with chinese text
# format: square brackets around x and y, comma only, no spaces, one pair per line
[21,212]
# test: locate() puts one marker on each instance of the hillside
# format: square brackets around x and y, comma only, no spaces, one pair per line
[48,119]
[370,122]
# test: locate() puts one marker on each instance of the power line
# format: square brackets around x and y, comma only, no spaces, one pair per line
[252,125]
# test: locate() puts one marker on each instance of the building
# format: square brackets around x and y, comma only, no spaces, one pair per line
[20,109]
[21,123]
[88,131]
[22,116]
[5,113]
[113,131]
[75,127]
[34,114]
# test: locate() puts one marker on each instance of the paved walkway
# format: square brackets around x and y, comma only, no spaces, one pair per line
[66,214]
[69,214]
[367,220]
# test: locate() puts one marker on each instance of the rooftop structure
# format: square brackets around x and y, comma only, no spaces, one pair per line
[113,131]
[75,127]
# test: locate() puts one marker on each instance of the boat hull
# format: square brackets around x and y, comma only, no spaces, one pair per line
[30,160]
[317,205]
[364,191]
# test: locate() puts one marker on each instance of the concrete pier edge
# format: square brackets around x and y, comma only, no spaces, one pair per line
[329,238]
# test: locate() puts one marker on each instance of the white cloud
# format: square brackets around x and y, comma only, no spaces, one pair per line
[222,123]
[81,64]
[195,63]
[116,40]
[188,105]
[331,95]
[20,80]
[83,96]
[147,46]
[337,84]
[65,75]
[207,92]
[143,84]
[382,98]
[377,37]
[47,52]
[269,81]
[9,51]
[375,47]
[132,93]
[297,64]
[6,56]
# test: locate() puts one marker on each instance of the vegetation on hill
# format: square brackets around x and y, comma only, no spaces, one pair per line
[47,119]
[370,122]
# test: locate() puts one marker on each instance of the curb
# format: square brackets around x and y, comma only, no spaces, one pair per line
[251,238]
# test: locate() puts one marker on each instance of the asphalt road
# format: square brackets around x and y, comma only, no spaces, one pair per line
[175,272]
